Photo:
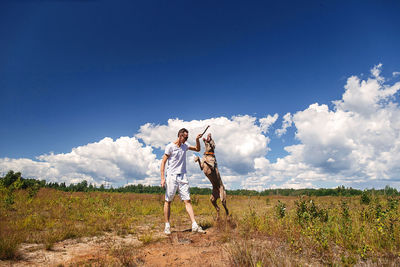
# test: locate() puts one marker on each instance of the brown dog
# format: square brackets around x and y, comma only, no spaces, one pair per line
[208,165]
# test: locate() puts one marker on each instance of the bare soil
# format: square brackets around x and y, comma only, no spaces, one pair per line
[181,248]
[185,249]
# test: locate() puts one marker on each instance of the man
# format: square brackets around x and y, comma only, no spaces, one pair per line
[175,154]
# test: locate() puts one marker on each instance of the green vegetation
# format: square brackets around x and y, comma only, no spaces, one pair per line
[83,186]
[262,230]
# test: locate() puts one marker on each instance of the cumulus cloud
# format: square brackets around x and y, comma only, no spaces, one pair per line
[365,97]
[286,123]
[376,72]
[266,123]
[117,161]
[360,136]
[239,140]
[354,143]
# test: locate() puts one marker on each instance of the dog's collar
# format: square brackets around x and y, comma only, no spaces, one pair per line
[208,153]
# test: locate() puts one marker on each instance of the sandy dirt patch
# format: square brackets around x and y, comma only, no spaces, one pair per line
[184,248]
[181,248]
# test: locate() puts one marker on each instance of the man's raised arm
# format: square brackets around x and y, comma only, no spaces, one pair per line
[197,147]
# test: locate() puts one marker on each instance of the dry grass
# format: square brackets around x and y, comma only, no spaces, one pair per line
[260,230]
[8,246]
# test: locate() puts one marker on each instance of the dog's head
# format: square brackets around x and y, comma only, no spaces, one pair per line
[209,143]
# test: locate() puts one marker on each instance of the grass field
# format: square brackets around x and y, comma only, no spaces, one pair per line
[261,231]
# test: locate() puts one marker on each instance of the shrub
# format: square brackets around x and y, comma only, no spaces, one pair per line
[345,211]
[365,198]
[33,190]
[280,209]
[393,203]
[9,247]
[308,210]
[251,221]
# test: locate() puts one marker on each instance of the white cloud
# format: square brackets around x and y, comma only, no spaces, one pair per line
[365,97]
[376,72]
[356,143]
[239,140]
[286,123]
[359,137]
[266,123]
[118,161]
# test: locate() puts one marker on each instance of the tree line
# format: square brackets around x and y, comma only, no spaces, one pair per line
[28,183]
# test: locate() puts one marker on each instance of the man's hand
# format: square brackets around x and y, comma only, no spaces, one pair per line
[197,147]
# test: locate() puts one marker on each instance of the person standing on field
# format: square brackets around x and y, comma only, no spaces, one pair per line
[175,155]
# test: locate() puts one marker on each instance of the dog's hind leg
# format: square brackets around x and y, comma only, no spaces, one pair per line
[222,194]
[226,209]
[213,200]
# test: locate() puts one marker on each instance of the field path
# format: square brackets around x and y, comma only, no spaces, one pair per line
[184,248]
[181,248]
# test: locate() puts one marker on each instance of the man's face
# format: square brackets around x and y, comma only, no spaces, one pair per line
[183,137]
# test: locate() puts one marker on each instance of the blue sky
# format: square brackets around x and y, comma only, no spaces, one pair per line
[75,72]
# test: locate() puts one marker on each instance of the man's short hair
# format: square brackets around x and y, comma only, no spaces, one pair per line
[181,131]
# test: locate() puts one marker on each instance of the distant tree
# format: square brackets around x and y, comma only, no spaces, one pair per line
[16,180]
[10,178]
[91,188]
[390,191]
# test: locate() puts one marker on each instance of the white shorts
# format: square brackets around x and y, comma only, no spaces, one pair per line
[174,182]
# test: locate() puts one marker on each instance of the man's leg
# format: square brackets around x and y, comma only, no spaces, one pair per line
[170,190]
[189,210]
[167,229]
[167,211]
[195,227]
[184,193]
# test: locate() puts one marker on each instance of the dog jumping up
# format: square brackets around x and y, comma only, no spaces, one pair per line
[208,164]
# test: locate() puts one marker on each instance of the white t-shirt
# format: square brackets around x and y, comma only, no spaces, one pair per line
[177,158]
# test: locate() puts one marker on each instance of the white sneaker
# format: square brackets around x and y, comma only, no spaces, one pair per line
[198,229]
[167,231]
